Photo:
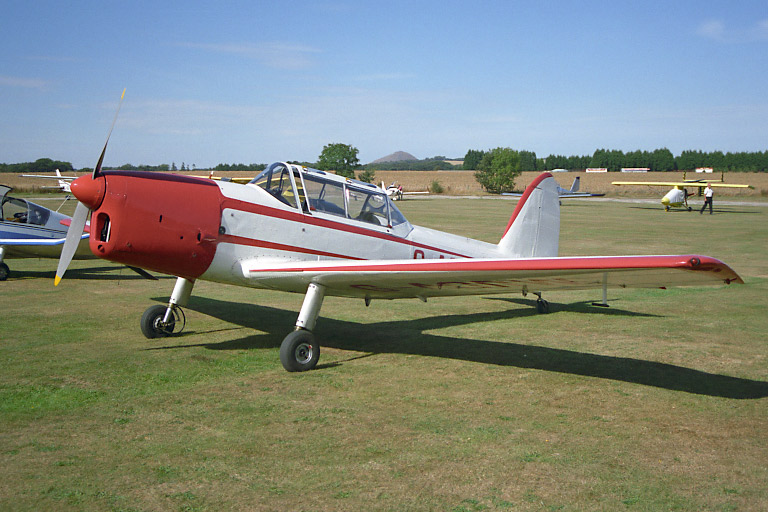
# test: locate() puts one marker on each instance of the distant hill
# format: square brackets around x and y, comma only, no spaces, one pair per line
[397,156]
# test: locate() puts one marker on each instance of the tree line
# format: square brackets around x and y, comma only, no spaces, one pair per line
[343,157]
[39,165]
[615,160]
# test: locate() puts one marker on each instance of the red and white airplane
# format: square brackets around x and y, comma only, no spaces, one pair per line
[64,181]
[306,231]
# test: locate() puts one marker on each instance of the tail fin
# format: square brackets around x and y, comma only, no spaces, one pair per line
[576,183]
[534,228]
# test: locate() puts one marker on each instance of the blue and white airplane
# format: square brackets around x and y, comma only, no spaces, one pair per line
[563,193]
[28,230]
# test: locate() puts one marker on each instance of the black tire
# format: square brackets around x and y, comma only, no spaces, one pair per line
[5,272]
[299,352]
[151,322]
[542,306]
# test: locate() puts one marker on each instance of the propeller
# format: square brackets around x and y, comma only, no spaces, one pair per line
[77,226]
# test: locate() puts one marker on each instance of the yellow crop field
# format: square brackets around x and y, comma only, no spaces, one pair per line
[462,183]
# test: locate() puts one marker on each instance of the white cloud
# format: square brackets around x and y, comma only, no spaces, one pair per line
[275,54]
[25,83]
[717,31]
[761,31]
[712,29]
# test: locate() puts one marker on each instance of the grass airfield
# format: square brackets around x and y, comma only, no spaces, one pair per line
[659,402]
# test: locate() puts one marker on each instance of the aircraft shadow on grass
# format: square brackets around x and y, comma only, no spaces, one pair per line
[716,210]
[86,274]
[408,337]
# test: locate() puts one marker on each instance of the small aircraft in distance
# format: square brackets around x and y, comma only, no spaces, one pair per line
[307,231]
[564,193]
[28,230]
[396,193]
[678,196]
[64,181]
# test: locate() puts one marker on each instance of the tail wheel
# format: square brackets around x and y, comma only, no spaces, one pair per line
[299,352]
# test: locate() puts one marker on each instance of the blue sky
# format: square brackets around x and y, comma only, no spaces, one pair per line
[260,81]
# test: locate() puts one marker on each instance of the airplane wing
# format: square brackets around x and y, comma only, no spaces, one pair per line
[432,278]
[43,176]
[579,194]
[68,222]
[564,195]
[36,241]
[680,184]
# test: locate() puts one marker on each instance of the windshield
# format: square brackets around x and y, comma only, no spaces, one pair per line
[19,210]
[278,181]
[320,192]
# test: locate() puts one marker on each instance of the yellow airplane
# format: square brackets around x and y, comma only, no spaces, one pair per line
[678,196]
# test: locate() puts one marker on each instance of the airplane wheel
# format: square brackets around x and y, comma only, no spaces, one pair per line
[152,322]
[299,352]
[690,209]
[5,272]
[542,306]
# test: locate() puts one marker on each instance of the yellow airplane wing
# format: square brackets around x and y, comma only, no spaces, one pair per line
[653,183]
[726,185]
[680,184]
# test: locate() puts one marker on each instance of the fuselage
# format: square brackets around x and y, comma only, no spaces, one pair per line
[30,230]
[675,197]
[200,228]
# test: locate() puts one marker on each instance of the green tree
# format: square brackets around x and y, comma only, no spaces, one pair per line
[498,169]
[528,161]
[341,158]
[367,176]
[472,159]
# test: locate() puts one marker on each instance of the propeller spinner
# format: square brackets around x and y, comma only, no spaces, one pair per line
[89,192]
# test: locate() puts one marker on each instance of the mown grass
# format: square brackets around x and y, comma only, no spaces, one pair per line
[656,403]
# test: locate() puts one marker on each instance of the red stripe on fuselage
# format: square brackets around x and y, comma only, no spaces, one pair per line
[294,216]
[251,242]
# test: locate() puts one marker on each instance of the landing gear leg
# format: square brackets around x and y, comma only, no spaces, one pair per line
[161,321]
[542,306]
[4,270]
[604,304]
[299,351]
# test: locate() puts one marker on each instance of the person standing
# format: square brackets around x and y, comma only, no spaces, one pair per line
[708,193]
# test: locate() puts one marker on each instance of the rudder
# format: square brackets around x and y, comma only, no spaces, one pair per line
[534,228]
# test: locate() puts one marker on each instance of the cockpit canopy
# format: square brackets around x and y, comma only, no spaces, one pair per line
[311,190]
[13,209]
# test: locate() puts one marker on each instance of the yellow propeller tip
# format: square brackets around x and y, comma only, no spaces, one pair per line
[56,281]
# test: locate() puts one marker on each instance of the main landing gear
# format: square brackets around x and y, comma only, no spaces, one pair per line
[161,321]
[542,306]
[299,351]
